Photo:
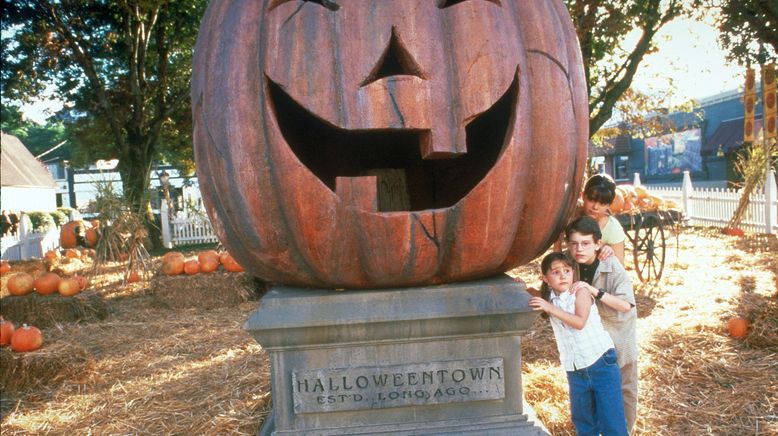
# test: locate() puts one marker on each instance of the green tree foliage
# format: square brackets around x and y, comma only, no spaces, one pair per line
[610,65]
[748,29]
[123,65]
[37,138]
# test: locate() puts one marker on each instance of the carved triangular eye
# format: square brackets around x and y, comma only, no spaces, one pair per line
[329,4]
[442,4]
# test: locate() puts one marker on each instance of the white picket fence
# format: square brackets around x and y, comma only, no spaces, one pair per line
[714,207]
[185,230]
[701,207]
[26,244]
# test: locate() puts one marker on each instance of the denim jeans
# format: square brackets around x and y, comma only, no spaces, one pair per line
[595,398]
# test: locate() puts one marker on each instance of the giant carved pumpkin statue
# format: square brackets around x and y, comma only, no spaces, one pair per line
[382,143]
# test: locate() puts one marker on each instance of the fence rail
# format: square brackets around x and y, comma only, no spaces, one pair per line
[26,244]
[715,207]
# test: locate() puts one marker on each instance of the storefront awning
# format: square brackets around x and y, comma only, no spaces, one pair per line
[728,136]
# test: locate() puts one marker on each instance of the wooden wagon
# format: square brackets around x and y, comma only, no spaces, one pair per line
[647,232]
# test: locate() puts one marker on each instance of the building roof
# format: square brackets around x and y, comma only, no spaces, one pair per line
[728,136]
[611,146]
[18,167]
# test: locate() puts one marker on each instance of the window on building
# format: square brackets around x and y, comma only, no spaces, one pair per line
[621,167]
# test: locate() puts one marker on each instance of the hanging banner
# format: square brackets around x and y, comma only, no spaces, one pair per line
[769,111]
[749,102]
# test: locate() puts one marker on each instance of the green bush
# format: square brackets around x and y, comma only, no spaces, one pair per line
[41,222]
[59,218]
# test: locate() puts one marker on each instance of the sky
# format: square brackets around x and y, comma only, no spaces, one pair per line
[689,57]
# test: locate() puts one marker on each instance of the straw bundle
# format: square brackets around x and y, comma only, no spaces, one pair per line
[699,379]
[44,368]
[762,315]
[204,291]
[46,310]
[156,372]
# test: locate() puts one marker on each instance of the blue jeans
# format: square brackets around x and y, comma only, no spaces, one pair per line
[595,398]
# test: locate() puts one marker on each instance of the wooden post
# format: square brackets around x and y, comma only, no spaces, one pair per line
[686,193]
[25,229]
[770,201]
[164,218]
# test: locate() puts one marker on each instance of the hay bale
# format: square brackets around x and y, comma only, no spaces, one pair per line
[46,310]
[45,368]
[763,322]
[203,291]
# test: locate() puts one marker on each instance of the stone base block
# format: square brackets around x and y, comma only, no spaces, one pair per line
[429,360]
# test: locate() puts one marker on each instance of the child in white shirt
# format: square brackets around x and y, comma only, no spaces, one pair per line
[586,350]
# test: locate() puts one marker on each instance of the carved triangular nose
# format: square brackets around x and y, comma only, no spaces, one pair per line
[395,60]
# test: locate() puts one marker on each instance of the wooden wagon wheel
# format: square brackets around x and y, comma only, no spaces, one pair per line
[649,248]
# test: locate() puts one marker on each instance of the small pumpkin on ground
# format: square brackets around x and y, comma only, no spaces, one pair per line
[6,331]
[5,267]
[26,338]
[737,327]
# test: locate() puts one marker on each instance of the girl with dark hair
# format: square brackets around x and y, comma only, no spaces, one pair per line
[598,194]
[586,350]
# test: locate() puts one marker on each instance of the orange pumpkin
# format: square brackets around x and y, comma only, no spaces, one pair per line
[617,205]
[209,265]
[91,237]
[51,255]
[224,256]
[737,327]
[191,267]
[72,253]
[630,196]
[82,281]
[5,267]
[133,277]
[208,254]
[6,331]
[173,266]
[26,338]
[733,231]
[171,255]
[69,287]
[71,232]
[20,284]
[46,284]
[233,266]
[641,192]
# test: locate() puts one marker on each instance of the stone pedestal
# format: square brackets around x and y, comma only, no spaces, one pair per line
[429,360]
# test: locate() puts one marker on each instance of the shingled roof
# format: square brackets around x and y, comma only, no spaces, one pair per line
[19,168]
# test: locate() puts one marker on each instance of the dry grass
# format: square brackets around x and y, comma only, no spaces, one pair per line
[152,369]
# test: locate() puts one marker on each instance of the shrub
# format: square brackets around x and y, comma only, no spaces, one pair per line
[59,218]
[41,221]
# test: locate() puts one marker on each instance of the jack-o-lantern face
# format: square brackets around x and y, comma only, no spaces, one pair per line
[374,143]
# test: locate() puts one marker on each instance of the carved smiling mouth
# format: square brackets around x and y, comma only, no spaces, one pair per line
[388,162]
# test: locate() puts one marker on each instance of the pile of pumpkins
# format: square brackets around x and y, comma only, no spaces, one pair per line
[22,283]
[630,198]
[70,231]
[69,253]
[174,263]
[25,338]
